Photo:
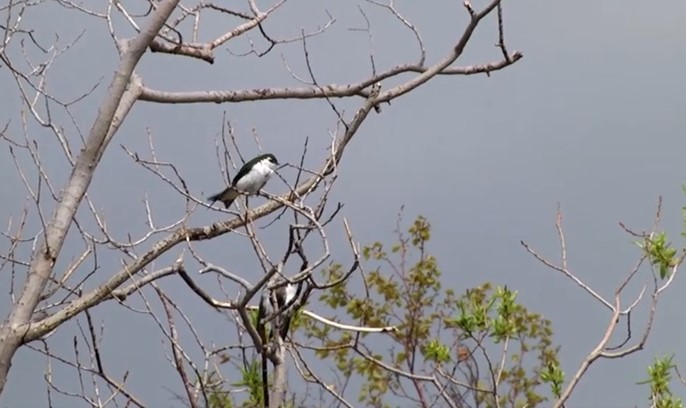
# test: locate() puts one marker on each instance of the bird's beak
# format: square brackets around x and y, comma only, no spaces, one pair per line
[281,166]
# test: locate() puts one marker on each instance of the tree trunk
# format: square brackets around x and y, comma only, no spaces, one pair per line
[45,256]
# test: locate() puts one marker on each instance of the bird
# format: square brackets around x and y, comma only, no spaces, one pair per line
[285,295]
[250,179]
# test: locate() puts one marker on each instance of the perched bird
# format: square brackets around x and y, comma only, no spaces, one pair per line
[286,295]
[250,179]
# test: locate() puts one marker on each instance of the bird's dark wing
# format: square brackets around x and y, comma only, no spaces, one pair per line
[243,171]
[247,166]
[285,326]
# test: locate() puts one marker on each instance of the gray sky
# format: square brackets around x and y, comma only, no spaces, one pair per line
[589,118]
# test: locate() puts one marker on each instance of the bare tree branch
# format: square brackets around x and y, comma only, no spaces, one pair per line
[73,288]
[44,259]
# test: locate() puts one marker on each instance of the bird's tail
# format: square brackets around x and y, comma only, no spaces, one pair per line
[227,197]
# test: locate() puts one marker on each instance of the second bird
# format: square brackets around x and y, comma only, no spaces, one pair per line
[249,180]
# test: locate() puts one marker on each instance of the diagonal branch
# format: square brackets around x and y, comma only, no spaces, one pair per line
[44,258]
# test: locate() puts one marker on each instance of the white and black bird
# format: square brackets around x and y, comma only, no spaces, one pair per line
[285,296]
[249,180]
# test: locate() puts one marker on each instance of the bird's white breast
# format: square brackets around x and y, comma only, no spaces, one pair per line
[257,177]
[291,290]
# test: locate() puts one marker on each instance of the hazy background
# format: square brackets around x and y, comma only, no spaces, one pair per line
[592,117]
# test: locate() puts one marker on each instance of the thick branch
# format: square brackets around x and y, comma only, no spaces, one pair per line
[324,91]
[278,388]
[200,51]
[44,258]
